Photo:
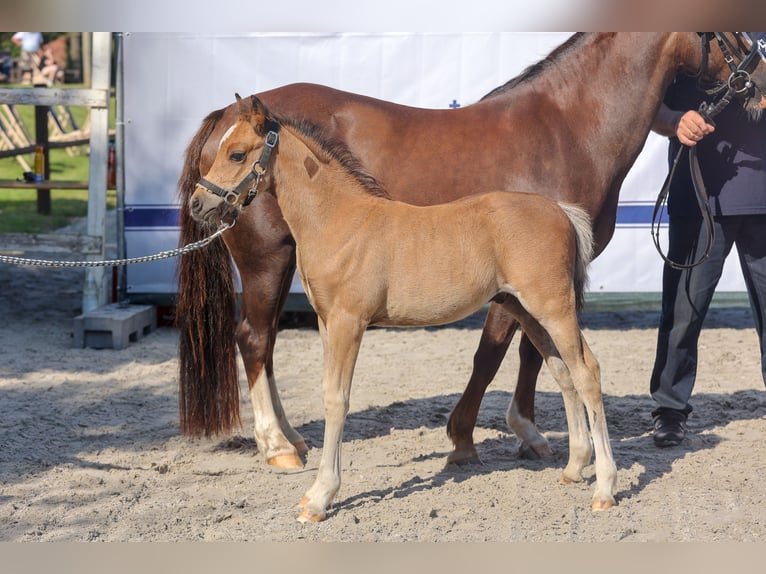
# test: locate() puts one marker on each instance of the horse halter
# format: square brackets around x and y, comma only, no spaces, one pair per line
[739,83]
[250,182]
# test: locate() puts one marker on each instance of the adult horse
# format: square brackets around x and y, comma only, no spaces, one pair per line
[570,126]
[364,259]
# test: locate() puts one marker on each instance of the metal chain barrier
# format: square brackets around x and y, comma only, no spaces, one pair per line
[115,262]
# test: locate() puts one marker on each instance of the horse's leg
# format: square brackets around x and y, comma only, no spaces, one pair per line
[499,328]
[521,412]
[341,338]
[577,372]
[281,445]
[588,385]
[580,450]
[265,258]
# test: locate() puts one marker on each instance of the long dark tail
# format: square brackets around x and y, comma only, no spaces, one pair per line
[205,316]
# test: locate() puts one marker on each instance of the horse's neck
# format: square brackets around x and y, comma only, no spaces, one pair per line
[619,80]
[313,190]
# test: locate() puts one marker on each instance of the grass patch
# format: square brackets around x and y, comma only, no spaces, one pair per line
[18,207]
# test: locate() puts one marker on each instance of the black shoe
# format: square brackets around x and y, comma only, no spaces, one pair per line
[669,427]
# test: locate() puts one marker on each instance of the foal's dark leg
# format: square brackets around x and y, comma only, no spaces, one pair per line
[499,328]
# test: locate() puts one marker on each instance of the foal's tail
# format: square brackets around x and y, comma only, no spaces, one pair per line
[205,308]
[583,228]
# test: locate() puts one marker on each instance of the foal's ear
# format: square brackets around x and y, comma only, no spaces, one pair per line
[253,111]
[251,105]
[242,105]
[259,110]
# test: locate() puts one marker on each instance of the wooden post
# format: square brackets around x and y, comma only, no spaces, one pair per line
[95,293]
[87,41]
[75,55]
[41,139]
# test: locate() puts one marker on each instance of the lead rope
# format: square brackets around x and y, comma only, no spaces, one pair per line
[702,202]
[116,262]
[707,111]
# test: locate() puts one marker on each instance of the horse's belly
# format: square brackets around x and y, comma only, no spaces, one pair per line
[427,308]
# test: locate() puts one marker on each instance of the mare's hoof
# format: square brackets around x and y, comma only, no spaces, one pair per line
[535,451]
[569,480]
[301,447]
[464,456]
[290,461]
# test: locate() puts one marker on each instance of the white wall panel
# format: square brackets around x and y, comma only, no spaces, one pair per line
[173,80]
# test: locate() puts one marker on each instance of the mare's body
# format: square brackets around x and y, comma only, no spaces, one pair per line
[569,127]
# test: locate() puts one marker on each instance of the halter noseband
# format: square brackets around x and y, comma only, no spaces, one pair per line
[251,181]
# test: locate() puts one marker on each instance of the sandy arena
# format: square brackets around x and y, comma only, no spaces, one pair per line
[90,448]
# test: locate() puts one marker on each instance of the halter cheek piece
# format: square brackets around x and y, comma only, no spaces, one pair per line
[251,181]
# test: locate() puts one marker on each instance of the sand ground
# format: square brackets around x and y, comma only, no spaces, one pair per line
[90,448]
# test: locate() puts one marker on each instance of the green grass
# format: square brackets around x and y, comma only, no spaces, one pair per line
[18,207]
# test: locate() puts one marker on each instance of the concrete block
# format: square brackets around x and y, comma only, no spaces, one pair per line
[114,326]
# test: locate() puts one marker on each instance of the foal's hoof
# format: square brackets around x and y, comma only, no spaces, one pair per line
[289,461]
[308,515]
[598,505]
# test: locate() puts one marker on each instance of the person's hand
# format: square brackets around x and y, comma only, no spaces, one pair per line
[692,127]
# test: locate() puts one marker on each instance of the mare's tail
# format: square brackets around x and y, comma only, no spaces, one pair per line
[205,309]
[584,231]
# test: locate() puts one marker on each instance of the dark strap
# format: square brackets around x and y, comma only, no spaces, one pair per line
[259,167]
[700,193]
[230,196]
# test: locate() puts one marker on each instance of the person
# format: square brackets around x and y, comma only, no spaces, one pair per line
[6,66]
[49,69]
[731,156]
[30,44]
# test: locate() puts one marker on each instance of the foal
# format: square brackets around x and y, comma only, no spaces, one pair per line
[366,260]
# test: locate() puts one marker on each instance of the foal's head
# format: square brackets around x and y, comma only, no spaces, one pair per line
[241,165]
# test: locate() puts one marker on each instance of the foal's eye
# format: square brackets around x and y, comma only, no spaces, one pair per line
[238,156]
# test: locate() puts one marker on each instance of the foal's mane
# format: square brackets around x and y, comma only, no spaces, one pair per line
[337,150]
[536,69]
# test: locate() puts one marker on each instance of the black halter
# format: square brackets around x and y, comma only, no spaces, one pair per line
[740,63]
[739,81]
[251,181]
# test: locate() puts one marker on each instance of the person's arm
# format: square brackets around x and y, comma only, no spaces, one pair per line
[689,127]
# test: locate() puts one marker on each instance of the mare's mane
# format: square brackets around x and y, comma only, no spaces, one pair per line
[536,69]
[337,150]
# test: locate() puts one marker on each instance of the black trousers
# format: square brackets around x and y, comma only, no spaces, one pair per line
[686,297]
